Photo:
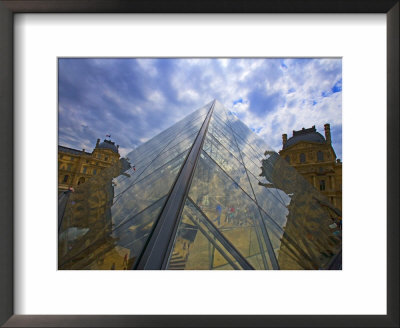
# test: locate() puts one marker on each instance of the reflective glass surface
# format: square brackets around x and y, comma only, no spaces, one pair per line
[227,162]
[146,191]
[125,244]
[310,238]
[233,212]
[146,159]
[196,247]
[94,220]
[223,134]
[245,207]
[300,229]
[162,139]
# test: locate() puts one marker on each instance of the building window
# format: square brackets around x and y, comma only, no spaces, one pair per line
[69,166]
[81,180]
[320,156]
[287,159]
[302,158]
[321,170]
[94,171]
[72,158]
[84,170]
[322,185]
[106,158]
[66,178]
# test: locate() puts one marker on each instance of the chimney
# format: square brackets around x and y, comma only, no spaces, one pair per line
[284,140]
[97,143]
[83,150]
[328,133]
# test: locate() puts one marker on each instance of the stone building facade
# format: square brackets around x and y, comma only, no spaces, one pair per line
[76,166]
[314,158]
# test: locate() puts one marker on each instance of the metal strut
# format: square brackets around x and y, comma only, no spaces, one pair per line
[155,255]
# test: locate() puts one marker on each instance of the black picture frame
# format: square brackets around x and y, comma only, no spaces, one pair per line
[7,10]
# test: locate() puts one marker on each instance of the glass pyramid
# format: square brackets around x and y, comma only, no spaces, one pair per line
[205,194]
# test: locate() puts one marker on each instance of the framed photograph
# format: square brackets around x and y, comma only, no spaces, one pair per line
[41,288]
[224,211]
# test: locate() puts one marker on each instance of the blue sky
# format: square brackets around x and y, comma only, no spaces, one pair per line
[135,99]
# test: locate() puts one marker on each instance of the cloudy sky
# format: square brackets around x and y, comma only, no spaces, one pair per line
[135,99]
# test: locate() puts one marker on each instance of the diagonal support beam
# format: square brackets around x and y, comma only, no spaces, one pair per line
[159,244]
[218,236]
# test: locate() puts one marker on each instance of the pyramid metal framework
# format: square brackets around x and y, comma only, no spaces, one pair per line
[205,194]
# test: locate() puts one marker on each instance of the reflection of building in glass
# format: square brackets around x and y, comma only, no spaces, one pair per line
[202,195]
[76,166]
[313,157]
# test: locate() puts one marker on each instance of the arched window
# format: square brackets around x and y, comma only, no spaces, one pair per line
[81,180]
[302,158]
[66,178]
[320,156]
[287,159]
[322,185]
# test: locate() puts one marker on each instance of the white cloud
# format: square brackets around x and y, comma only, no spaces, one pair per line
[278,95]
[224,62]
[148,66]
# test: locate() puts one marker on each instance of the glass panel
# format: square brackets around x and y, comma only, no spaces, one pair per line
[228,163]
[196,248]
[275,233]
[88,207]
[220,109]
[92,213]
[144,156]
[171,153]
[121,249]
[246,134]
[311,238]
[146,191]
[158,142]
[163,158]
[269,202]
[222,133]
[256,179]
[253,156]
[233,212]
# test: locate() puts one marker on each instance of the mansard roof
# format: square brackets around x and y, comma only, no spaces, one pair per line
[307,135]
